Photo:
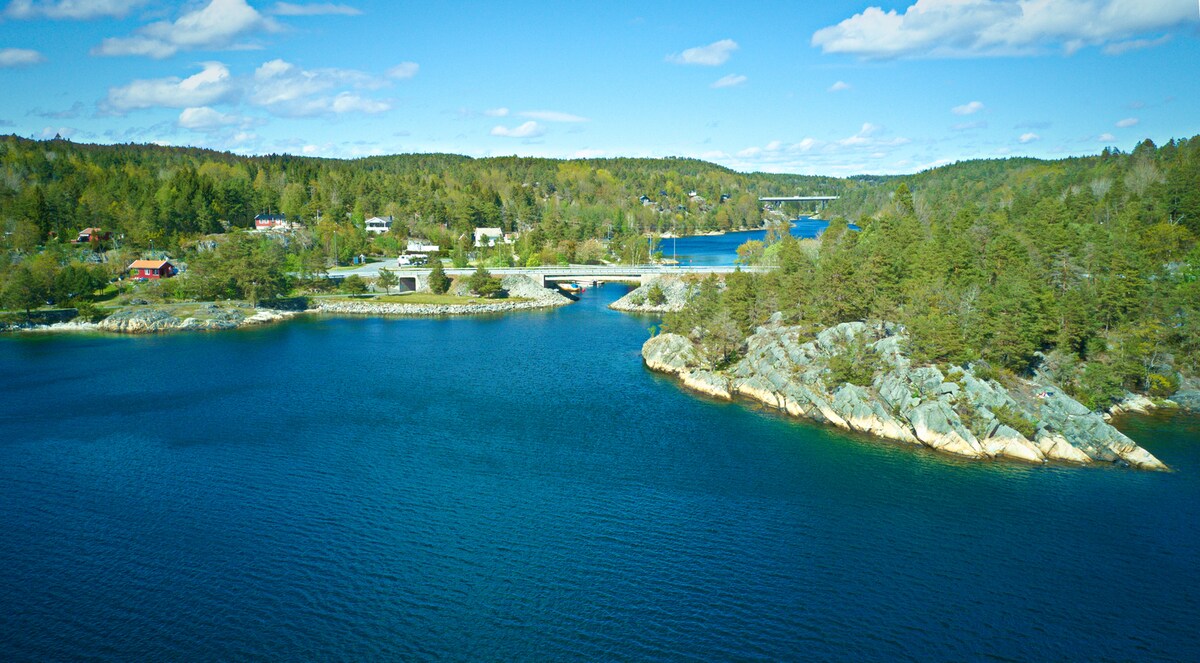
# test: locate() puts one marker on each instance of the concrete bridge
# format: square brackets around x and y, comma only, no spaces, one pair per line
[413,278]
[819,202]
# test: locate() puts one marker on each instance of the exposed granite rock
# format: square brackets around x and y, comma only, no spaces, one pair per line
[959,413]
[139,321]
[1188,394]
[677,291]
[146,321]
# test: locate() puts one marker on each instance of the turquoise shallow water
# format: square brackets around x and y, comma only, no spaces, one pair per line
[722,249]
[522,488]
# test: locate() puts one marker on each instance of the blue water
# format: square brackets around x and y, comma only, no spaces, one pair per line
[522,488]
[709,250]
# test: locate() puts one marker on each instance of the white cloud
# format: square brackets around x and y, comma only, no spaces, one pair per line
[285,89]
[968,28]
[552,116]
[588,154]
[863,136]
[1135,45]
[839,86]
[314,9]
[853,154]
[63,132]
[529,129]
[1106,138]
[496,112]
[218,25]
[212,85]
[19,57]
[716,53]
[1127,122]
[968,108]
[70,9]
[206,120]
[404,70]
[1028,137]
[348,102]
[729,80]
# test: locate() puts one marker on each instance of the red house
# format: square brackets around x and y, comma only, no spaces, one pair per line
[152,269]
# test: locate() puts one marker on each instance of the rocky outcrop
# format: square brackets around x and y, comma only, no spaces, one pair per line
[151,320]
[1188,396]
[956,412]
[676,292]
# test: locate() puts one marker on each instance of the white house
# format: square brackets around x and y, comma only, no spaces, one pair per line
[263,222]
[379,224]
[488,236]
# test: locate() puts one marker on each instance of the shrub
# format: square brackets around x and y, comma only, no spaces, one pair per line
[857,365]
[1162,386]
[354,284]
[88,311]
[482,283]
[655,295]
[1014,419]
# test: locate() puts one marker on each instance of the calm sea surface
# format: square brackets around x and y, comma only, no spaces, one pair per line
[521,488]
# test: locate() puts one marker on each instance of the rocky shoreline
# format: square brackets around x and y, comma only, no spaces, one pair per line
[676,292]
[957,412]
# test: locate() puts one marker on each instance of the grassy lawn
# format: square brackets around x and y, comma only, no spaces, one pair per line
[424,298]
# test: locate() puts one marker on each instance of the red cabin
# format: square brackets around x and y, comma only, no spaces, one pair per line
[152,269]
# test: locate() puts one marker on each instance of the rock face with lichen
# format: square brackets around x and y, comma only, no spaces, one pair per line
[956,412]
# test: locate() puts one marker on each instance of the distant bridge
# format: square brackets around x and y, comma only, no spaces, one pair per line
[819,201]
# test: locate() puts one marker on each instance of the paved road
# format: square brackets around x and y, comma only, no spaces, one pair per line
[611,272]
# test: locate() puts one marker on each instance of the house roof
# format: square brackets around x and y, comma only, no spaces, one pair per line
[90,231]
[149,264]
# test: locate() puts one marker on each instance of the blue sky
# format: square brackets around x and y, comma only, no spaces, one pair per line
[833,88]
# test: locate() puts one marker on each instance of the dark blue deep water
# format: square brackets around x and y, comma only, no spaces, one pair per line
[522,488]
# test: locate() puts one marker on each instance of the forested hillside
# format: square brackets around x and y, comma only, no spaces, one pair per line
[1087,267]
[169,195]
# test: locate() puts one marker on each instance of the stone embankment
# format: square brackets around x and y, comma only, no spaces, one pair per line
[956,412]
[535,296]
[676,292]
